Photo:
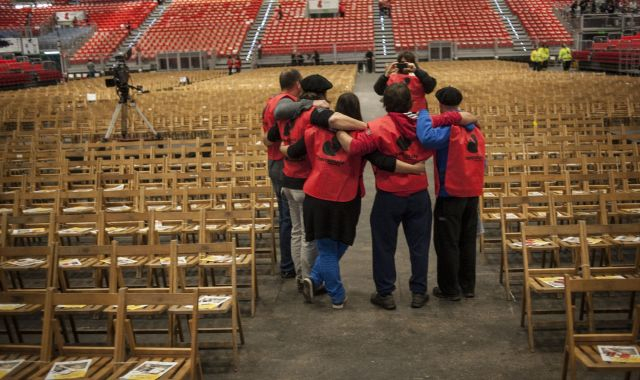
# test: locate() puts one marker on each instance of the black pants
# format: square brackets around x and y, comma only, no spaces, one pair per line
[566,65]
[455,226]
[414,212]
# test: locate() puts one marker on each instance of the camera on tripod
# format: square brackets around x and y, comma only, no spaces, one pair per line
[120,80]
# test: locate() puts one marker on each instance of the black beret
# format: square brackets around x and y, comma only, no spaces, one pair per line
[449,96]
[315,83]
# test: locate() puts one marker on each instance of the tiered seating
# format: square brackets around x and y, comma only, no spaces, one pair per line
[624,52]
[20,74]
[215,26]
[472,24]
[539,21]
[352,33]
[110,20]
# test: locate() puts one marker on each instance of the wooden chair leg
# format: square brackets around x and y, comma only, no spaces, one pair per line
[74,331]
[7,327]
[565,363]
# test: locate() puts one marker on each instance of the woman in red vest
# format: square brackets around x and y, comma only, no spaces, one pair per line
[333,193]
[230,64]
[406,71]
[459,174]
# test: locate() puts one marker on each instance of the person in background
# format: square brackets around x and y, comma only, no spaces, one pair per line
[369,57]
[230,64]
[279,12]
[316,58]
[564,55]
[459,173]
[535,59]
[405,70]
[259,49]
[544,55]
[341,8]
[237,64]
[91,67]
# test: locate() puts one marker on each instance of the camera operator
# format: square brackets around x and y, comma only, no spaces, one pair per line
[406,70]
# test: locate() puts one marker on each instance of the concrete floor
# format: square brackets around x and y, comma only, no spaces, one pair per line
[478,338]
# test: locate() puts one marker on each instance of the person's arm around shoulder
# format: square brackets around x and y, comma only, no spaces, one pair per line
[453,117]
[429,137]
[391,164]
[326,118]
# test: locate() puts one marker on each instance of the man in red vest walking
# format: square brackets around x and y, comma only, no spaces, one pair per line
[459,174]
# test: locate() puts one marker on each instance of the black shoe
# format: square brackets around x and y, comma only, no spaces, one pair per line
[307,290]
[288,274]
[468,294]
[418,300]
[449,297]
[385,302]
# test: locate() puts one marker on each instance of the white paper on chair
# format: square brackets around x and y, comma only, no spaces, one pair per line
[6,366]
[149,370]
[619,354]
[627,239]
[115,188]
[69,370]
[554,282]
[572,240]
[27,231]
[25,262]
[37,210]
[118,209]
[182,260]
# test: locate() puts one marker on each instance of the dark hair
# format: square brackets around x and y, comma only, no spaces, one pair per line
[408,57]
[309,95]
[397,98]
[349,104]
[289,78]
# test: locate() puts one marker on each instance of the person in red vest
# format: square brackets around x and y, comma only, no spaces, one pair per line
[230,64]
[237,64]
[341,8]
[400,198]
[406,71]
[333,193]
[459,174]
[290,89]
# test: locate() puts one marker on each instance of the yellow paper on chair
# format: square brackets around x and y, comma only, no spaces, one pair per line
[6,366]
[9,307]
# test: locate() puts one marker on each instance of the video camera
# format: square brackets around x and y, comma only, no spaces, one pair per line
[120,80]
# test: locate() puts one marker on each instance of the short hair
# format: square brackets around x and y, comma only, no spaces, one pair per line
[349,104]
[397,98]
[310,95]
[289,78]
[408,56]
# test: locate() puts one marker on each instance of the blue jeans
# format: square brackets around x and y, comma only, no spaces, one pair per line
[284,220]
[327,268]
[414,212]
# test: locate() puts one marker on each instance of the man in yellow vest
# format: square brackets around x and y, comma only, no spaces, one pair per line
[565,56]
[543,56]
[535,60]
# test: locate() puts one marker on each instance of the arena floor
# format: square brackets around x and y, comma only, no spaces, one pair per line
[477,338]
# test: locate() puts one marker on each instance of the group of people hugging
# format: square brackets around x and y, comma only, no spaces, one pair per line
[316,161]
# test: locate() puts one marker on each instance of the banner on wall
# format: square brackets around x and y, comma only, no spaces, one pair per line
[10,45]
[322,6]
[65,18]
[30,46]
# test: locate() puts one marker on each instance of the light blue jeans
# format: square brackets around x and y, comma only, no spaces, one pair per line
[327,268]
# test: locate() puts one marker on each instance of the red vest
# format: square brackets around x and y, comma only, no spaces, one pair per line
[290,133]
[465,163]
[390,142]
[418,101]
[335,175]
[269,120]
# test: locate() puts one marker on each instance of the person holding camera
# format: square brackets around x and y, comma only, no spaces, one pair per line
[406,71]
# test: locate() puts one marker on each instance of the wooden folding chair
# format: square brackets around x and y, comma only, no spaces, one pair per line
[586,347]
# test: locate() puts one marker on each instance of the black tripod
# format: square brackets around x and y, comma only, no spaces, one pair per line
[122,110]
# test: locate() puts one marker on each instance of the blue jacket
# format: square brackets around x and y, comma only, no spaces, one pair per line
[438,140]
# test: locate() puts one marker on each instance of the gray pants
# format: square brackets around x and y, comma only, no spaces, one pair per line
[304,253]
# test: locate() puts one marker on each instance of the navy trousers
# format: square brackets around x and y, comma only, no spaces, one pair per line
[414,212]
